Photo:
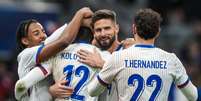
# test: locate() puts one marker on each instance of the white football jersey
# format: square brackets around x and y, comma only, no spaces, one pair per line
[78,74]
[27,60]
[143,73]
[110,94]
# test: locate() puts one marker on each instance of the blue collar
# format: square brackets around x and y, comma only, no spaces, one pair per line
[119,47]
[145,46]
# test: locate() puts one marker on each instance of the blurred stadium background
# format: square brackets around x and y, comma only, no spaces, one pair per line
[180,31]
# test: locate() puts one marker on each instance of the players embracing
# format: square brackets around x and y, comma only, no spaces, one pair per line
[144,72]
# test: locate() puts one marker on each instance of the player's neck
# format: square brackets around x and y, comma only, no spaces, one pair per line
[114,46]
[142,41]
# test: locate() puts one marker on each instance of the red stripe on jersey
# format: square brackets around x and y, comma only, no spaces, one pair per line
[43,69]
[102,82]
[183,85]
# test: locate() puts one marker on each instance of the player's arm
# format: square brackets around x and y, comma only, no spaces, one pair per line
[60,90]
[36,74]
[69,34]
[183,82]
[55,35]
[189,90]
[93,59]
[104,78]
[95,88]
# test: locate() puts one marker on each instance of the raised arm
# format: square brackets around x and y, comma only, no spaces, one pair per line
[66,38]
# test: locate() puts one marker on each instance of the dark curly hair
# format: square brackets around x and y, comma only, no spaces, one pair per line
[147,23]
[22,31]
[85,35]
[103,14]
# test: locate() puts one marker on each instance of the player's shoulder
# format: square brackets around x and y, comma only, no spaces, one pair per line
[86,45]
[106,55]
[118,54]
[130,50]
[73,48]
[29,52]
[168,55]
[80,45]
[122,51]
[161,51]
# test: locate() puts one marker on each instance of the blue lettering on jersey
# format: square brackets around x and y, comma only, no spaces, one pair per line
[69,56]
[145,64]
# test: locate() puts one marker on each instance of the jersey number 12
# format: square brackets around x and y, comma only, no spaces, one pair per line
[78,72]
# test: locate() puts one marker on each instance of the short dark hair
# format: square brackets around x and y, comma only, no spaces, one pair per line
[103,14]
[147,23]
[85,35]
[22,31]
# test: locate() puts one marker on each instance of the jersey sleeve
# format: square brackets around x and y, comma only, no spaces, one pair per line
[107,74]
[191,92]
[55,35]
[27,59]
[183,82]
[181,77]
[46,67]
[105,55]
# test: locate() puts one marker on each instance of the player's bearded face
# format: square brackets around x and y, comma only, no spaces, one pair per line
[105,42]
[105,31]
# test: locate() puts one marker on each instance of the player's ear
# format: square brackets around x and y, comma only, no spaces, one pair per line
[134,29]
[25,41]
[158,33]
[116,28]
[93,31]
[94,34]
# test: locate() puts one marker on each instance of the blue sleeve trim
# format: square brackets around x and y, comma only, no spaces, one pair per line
[102,82]
[109,88]
[199,94]
[38,53]
[183,85]
[119,47]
